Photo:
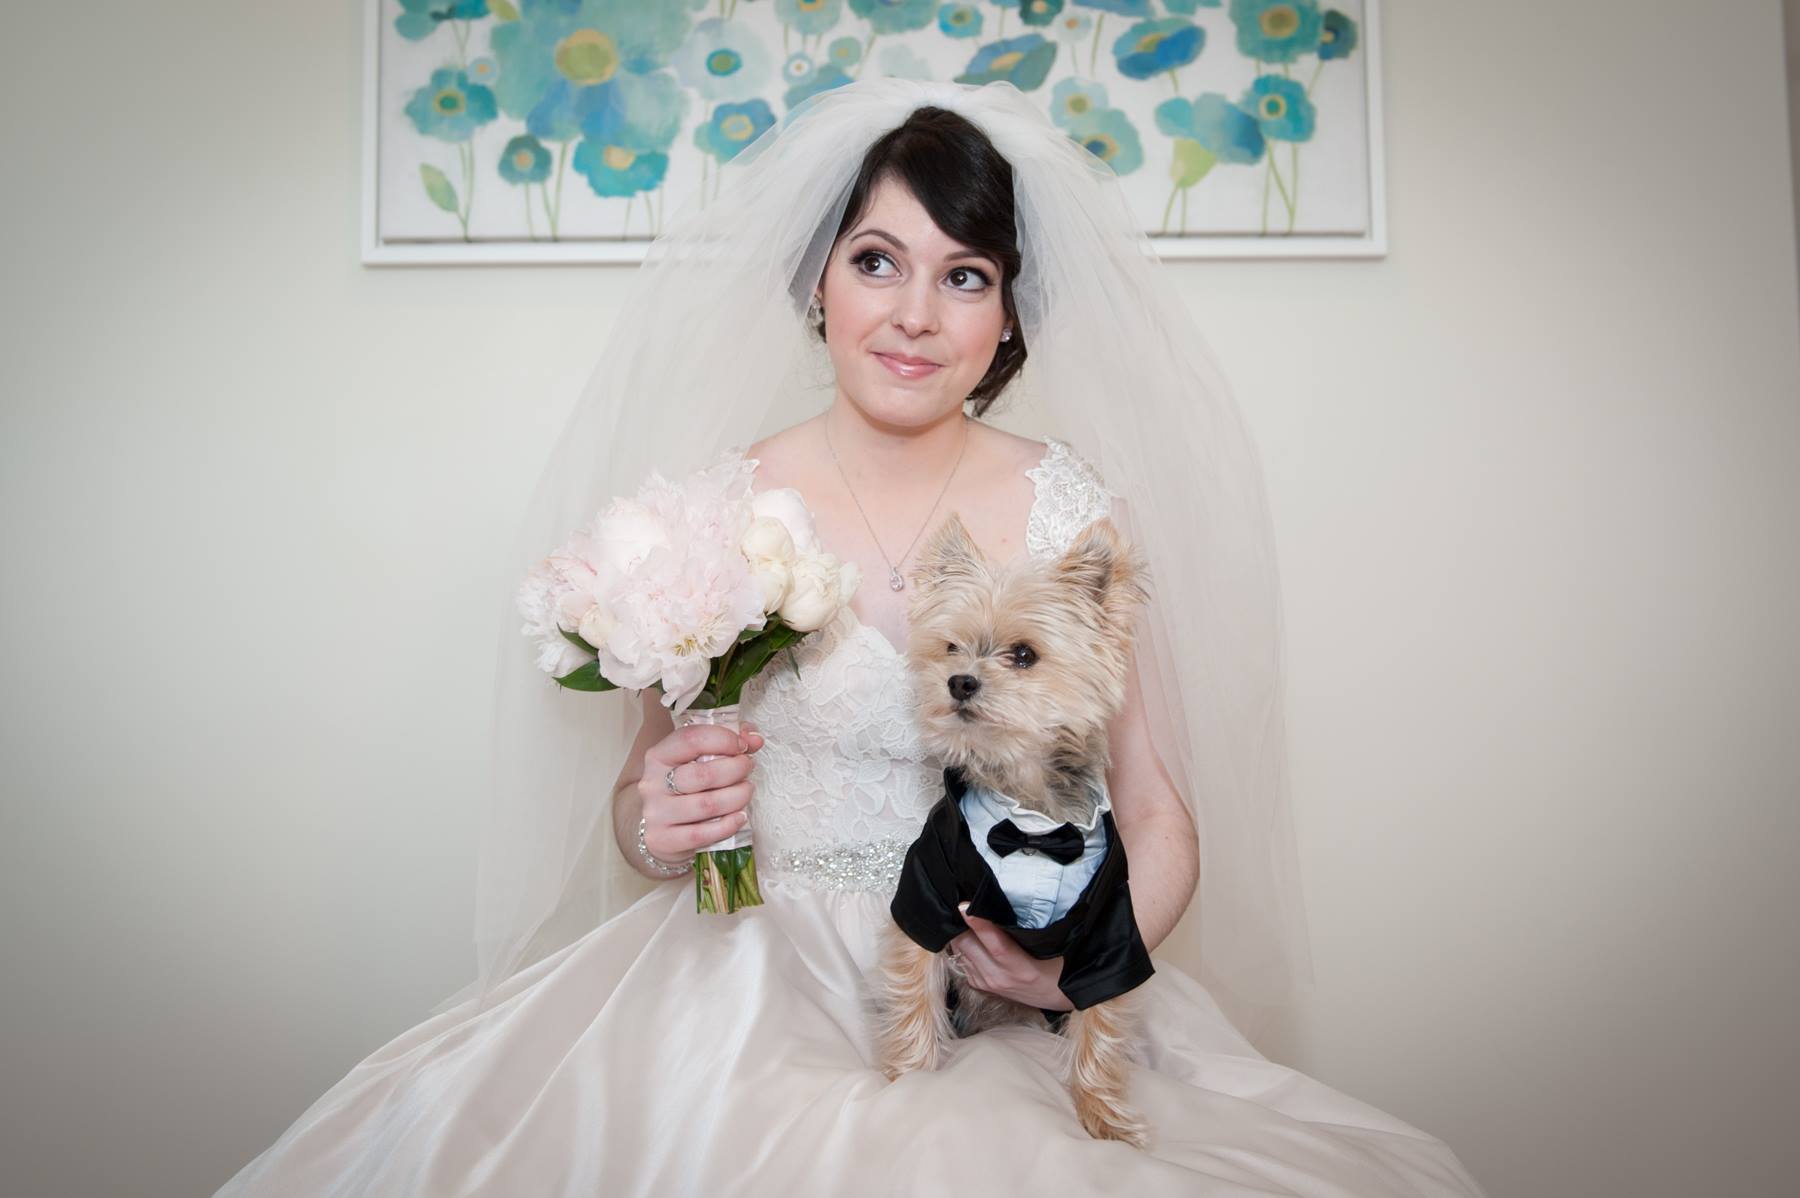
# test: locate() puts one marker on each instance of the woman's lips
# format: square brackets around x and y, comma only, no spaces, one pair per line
[907,370]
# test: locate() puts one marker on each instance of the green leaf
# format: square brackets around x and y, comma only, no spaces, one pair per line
[586,678]
[575,639]
[752,657]
[503,9]
[438,187]
[1190,163]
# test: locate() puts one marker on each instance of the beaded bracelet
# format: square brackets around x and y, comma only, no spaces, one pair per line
[664,868]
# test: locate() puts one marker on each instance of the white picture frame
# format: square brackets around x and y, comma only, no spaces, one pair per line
[382,133]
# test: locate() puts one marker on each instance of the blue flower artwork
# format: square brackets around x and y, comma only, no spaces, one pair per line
[575,122]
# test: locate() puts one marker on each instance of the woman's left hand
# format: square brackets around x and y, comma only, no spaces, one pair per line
[993,961]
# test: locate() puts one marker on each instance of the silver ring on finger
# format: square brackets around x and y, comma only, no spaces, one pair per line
[669,778]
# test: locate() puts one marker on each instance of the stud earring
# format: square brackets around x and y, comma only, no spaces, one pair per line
[1006,334]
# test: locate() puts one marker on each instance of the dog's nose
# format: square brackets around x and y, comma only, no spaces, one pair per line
[963,685]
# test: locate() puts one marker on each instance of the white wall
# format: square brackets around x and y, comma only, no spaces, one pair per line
[1533,474]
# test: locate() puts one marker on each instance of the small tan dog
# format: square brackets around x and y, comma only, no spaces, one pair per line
[1017,672]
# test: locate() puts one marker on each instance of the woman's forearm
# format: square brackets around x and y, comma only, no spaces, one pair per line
[627,806]
[1165,866]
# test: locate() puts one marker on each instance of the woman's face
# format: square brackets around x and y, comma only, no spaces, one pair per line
[897,288]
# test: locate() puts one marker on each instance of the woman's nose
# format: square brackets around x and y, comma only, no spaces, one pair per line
[915,308]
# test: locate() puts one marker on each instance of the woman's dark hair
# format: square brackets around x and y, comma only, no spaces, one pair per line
[966,187]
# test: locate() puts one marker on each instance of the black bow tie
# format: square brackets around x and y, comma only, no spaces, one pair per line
[1064,843]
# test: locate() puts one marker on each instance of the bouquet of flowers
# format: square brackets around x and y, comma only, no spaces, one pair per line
[691,586]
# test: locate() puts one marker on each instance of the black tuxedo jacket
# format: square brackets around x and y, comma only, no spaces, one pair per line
[1103,954]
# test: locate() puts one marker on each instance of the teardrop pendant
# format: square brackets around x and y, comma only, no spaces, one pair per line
[895,582]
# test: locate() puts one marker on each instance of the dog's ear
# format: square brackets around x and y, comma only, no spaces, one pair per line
[949,552]
[1104,565]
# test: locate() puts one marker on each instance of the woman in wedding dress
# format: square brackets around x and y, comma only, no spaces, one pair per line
[620,1042]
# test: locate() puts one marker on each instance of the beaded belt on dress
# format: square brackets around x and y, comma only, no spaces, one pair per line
[873,865]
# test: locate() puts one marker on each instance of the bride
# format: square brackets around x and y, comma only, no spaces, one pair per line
[879,271]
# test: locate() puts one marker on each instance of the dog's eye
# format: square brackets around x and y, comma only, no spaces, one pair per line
[1023,655]
[950,647]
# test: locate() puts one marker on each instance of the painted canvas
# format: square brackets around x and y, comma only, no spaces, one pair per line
[546,130]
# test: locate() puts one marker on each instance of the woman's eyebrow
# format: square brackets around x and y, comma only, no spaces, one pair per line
[901,246]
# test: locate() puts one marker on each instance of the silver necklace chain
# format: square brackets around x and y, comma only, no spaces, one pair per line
[895,581]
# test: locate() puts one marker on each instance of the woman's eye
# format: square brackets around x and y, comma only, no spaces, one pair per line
[866,255]
[1023,655]
[959,276]
[969,270]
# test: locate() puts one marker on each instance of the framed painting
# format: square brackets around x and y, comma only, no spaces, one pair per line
[520,131]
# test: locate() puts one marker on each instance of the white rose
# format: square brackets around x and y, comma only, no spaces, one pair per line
[559,659]
[785,505]
[769,548]
[624,534]
[774,577]
[595,625]
[768,538]
[817,591]
[572,605]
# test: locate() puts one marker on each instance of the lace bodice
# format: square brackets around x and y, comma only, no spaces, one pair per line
[842,781]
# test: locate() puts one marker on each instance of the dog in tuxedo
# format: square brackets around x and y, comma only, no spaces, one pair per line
[1016,672]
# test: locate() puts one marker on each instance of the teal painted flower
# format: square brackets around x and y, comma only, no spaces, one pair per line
[638,112]
[895,16]
[615,171]
[1072,27]
[1280,107]
[1338,37]
[723,60]
[627,126]
[1125,8]
[1152,47]
[845,51]
[1276,30]
[959,20]
[824,78]
[903,62]
[797,68]
[734,126]
[559,49]
[1109,136]
[810,17]
[450,108]
[422,17]
[1075,98]
[524,160]
[483,71]
[1187,7]
[1223,129]
[1040,13]
[1021,61]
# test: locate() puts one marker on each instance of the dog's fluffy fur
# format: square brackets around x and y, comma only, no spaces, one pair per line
[1049,645]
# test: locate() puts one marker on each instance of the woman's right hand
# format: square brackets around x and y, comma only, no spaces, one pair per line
[716,793]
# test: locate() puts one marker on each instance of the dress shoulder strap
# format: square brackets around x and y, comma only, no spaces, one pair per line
[1070,495]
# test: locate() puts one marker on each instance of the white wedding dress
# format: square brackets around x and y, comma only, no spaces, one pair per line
[672,1053]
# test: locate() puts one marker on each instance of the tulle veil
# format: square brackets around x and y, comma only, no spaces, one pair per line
[711,352]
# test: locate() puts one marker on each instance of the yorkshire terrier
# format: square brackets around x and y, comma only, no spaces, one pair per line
[1016,672]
